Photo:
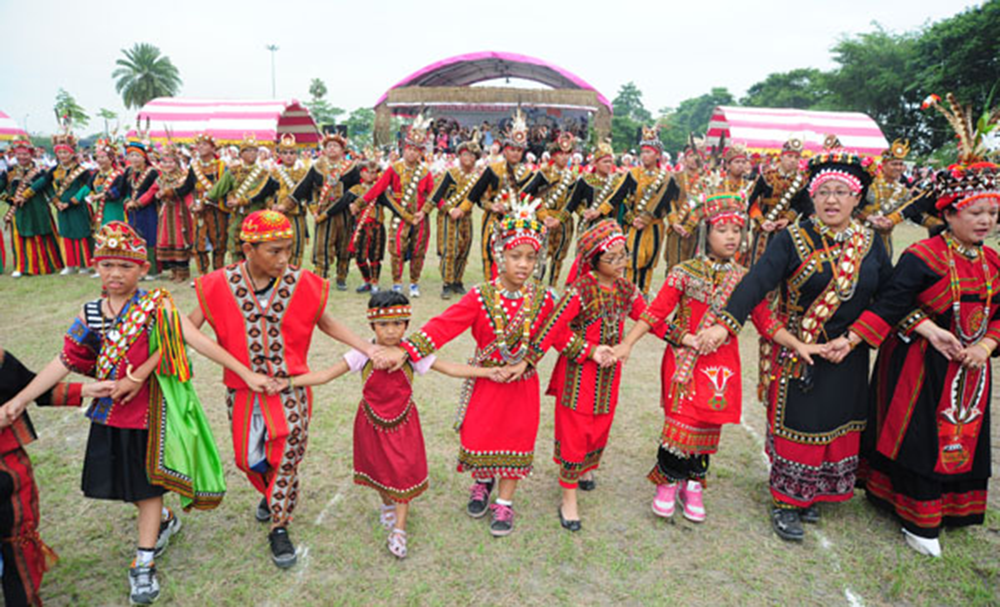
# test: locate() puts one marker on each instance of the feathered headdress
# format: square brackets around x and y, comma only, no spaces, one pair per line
[417,135]
[517,134]
[973,177]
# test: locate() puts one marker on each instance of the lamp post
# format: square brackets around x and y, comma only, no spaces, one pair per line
[273,48]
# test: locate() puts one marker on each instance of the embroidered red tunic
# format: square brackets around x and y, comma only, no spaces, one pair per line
[269,337]
[498,423]
[708,388]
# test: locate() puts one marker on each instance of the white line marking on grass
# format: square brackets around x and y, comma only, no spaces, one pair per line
[853,600]
[757,438]
[326,509]
[303,564]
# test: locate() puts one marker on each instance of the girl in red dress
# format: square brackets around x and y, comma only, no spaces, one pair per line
[389,451]
[497,421]
[589,319]
[701,385]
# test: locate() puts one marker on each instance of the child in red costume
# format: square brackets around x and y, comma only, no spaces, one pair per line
[389,451]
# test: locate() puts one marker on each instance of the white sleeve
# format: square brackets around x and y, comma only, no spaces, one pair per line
[424,364]
[355,360]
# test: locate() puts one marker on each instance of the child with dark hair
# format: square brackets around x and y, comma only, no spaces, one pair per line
[389,451]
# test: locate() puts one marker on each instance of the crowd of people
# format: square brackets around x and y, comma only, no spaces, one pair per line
[802,246]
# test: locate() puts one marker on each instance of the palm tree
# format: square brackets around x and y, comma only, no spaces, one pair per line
[144,74]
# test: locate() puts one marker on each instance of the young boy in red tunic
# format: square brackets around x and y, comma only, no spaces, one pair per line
[389,451]
[263,311]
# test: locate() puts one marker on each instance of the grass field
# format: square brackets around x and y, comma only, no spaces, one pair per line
[624,555]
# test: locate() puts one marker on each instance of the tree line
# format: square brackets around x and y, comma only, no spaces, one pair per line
[883,74]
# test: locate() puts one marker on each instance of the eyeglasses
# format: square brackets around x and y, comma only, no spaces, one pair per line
[839,194]
[617,259]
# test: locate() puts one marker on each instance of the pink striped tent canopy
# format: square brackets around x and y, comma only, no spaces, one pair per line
[766,129]
[9,129]
[470,68]
[227,121]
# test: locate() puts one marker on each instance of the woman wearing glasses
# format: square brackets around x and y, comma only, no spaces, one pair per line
[828,268]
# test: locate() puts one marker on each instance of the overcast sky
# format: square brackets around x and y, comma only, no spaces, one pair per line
[671,50]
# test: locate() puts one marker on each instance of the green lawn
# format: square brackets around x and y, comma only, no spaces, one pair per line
[624,554]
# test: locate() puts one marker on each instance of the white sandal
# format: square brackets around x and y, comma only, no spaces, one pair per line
[397,543]
[387,515]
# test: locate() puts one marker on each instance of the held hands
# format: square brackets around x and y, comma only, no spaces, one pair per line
[639,223]
[418,217]
[709,340]
[680,230]
[98,389]
[391,359]
[834,351]
[258,382]
[943,341]
[126,388]
[781,224]
[551,223]
[591,214]
[977,355]
[604,356]
[10,411]
[769,226]
[277,384]
[456,213]
[497,207]
[621,352]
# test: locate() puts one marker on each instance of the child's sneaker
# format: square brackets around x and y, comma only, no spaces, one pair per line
[168,528]
[414,291]
[479,499]
[282,549]
[691,501]
[263,511]
[663,503]
[144,587]
[503,520]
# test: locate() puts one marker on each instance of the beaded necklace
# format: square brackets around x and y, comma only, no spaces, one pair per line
[500,317]
[956,290]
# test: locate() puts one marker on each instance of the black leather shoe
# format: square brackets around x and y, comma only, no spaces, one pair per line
[787,524]
[810,515]
[587,485]
[569,525]
[446,292]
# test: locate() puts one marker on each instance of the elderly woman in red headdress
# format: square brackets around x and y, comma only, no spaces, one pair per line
[927,446]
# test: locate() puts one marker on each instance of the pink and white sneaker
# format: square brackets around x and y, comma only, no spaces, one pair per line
[691,501]
[663,503]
